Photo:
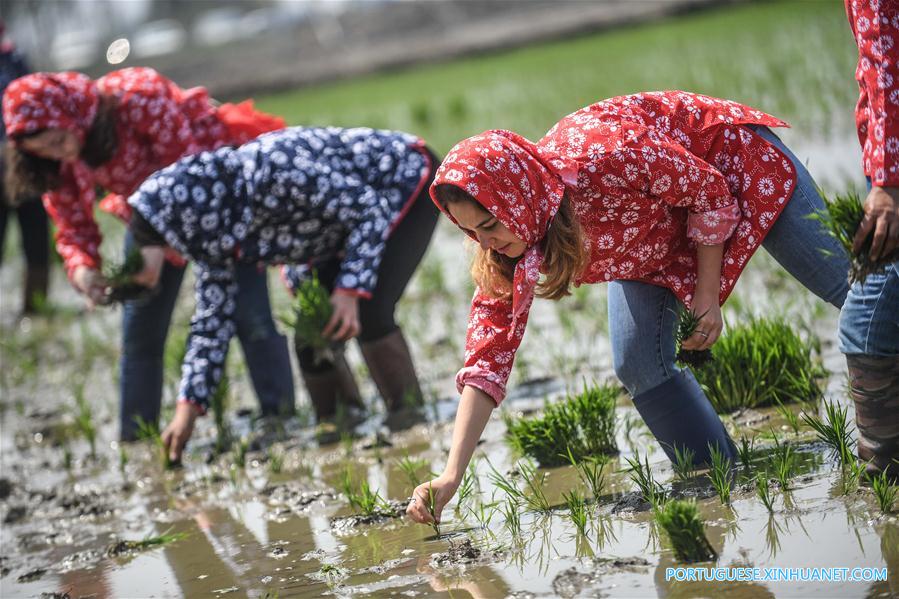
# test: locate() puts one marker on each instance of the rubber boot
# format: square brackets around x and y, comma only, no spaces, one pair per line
[331,388]
[268,362]
[874,387]
[35,289]
[678,413]
[390,364]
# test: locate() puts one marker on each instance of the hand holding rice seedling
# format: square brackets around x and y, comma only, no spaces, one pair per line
[120,278]
[312,310]
[841,219]
[687,323]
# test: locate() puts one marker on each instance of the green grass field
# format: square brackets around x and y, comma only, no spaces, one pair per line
[793,59]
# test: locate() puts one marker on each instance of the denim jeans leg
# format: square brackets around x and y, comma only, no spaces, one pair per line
[266,351]
[642,320]
[145,325]
[869,320]
[799,243]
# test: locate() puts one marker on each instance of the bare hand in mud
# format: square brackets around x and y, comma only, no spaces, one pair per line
[421,509]
[178,432]
[90,283]
[710,325]
[344,322]
[881,218]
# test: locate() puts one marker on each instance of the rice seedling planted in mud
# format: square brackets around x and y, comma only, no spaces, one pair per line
[275,460]
[511,517]
[791,418]
[124,547]
[411,467]
[582,425]
[759,363]
[719,473]
[84,418]
[684,528]
[641,475]
[590,471]
[361,496]
[687,322]
[763,490]
[783,463]
[534,482]
[840,219]
[884,491]
[835,432]
[147,431]
[746,451]
[219,402]
[577,510]
[240,452]
[467,487]
[684,465]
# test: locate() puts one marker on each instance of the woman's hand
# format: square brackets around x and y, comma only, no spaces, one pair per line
[881,217]
[91,284]
[344,322]
[154,260]
[419,509]
[710,325]
[178,432]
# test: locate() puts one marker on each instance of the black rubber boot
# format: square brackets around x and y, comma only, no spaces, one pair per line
[268,362]
[679,415]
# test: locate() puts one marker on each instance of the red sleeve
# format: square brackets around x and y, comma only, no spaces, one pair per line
[489,346]
[71,206]
[666,170]
[877,112]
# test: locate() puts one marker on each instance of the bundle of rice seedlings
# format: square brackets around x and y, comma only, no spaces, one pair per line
[119,278]
[687,322]
[835,432]
[684,528]
[759,363]
[840,219]
[582,425]
[641,475]
[311,312]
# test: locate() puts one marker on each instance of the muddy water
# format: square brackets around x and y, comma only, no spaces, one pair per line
[254,533]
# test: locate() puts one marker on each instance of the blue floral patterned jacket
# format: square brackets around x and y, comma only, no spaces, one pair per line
[298,196]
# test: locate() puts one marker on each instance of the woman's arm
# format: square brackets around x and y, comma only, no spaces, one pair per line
[705,297]
[474,412]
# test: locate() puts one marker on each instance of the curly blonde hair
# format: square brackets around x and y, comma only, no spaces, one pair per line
[564,253]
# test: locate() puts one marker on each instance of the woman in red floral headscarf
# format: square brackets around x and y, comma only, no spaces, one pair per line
[666,196]
[69,135]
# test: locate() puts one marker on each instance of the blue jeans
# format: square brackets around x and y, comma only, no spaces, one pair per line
[145,324]
[869,320]
[642,317]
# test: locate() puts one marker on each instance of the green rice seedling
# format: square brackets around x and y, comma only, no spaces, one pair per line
[684,464]
[577,510]
[411,467]
[119,278]
[687,323]
[641,475]
[432,509]
[746,451]
[582,424]
[719,473]
[147,431]
[275,461]
[148,542]
[484,513]
[684,528]
[512,517]
[852,473]
[534,482]
[331,573]
[783,461]
[789,416]
[590,471]
[467,487]
[758,363]
[505,484]
[840,219]
[884,491]
[84,418]
[240,452]
[219,402]
[361,496]
[123,459]
[763,490]
[835,432]
[311,312]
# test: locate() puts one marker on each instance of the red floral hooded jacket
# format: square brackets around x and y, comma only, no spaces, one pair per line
[157,123]
[649,175]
